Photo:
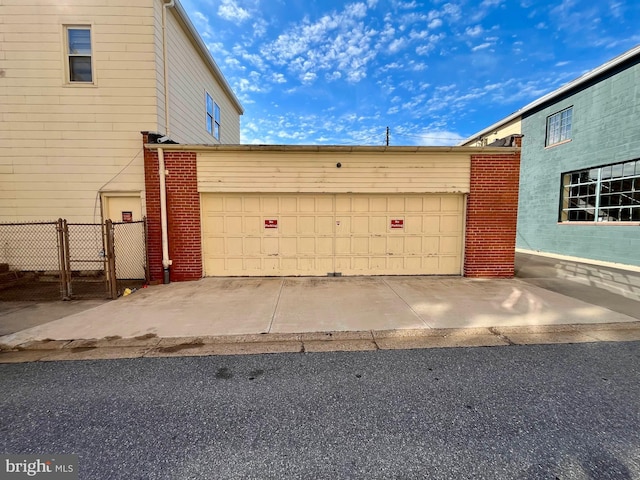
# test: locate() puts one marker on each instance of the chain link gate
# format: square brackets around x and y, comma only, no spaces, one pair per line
[61,260]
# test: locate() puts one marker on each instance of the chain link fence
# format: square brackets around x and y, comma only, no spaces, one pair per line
[60,260]
[30,255]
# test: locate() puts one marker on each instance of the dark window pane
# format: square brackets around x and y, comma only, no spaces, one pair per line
[80,69]
[575,178]
[635,215]
[605,187]
[625,214]
[613,214]
[616,186]
[636,197]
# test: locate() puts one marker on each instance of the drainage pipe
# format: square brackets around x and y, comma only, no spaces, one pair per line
[165,6]
[166,262]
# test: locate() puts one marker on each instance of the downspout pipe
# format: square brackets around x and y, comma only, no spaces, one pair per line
[166,262]
[165,6]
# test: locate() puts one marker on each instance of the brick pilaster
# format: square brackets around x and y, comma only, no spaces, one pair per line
[492,209]
[183,215]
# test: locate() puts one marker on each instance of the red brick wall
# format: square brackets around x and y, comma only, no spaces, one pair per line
[492,209]
[183,215]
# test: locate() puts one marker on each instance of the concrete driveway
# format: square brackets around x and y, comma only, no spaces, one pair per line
[236,306]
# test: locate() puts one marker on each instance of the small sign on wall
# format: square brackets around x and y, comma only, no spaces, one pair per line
[127,217]
[397,223]
[271,224]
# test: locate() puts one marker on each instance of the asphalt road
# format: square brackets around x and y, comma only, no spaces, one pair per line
[555,411]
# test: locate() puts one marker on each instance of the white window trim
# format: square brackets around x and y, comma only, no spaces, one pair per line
[65,51]
[547,141]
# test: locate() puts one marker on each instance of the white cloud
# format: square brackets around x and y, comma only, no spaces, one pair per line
[482,46]
[337,42]
[308,77]
[230,10]
[452,11]
[474,31]
[562,64]
[397,45]
[435,23]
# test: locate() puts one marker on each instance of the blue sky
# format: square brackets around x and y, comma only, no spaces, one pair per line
[434,72]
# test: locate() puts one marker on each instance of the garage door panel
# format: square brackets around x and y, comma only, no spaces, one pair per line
[252,246]
[413,204]
[450,203]
[431,224]
[232,225]
[450,223]
[270,245]
[251,204]
[233,204]
[271,204]
[317,234]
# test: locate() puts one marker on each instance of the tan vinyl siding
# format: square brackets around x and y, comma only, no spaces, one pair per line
[264,171]
[60,143]
[187,92]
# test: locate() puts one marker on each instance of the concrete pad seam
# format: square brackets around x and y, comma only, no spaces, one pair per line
[275,309]
[384,280]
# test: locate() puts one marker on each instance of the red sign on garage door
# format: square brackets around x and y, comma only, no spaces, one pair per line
[271,224]
[397,223]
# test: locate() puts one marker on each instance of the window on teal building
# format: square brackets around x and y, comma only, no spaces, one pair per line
[559,127]
[602,194]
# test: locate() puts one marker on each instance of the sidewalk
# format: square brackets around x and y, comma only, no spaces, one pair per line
[261,315]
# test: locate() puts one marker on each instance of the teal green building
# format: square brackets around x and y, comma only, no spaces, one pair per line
[579,190]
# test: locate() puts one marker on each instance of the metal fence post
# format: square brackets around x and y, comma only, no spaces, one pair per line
[66,260]
[147,271]
[111,260]
[62,270]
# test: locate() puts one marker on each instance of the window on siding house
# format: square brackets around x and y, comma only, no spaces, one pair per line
[602,194]
[559,127]
[213,118]
[79,55]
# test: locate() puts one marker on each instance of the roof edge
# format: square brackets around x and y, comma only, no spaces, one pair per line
[559,91]
[195,36]
[328,148]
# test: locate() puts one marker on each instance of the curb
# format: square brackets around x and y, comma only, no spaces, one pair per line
[152,346]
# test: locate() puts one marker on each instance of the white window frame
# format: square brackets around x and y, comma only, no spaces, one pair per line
[212,122]
[604,194]
[559,127]
[68,55]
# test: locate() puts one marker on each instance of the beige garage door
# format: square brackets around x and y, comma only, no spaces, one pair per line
[348,234]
